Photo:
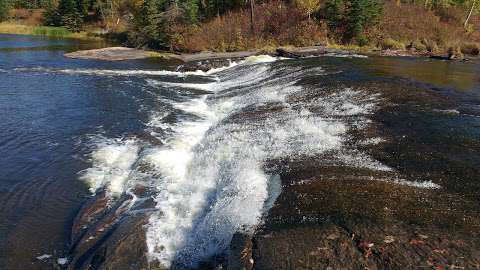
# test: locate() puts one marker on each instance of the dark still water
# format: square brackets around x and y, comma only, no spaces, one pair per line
[211,152]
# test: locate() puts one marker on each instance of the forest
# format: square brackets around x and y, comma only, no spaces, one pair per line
[231,25]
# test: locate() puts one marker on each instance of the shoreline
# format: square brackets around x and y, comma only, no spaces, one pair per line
[124,53]
[120,53]
[9,28]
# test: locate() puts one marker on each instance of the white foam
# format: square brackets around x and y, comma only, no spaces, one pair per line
[198,86]
[372,141]
[416,184]
[62,261]
[346,55]
[111,72]
[216,185]
[112,161]
[136,72]
[450,111]
[260,59]
[44,257]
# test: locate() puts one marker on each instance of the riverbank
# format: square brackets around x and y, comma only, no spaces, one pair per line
[123,53]
[48,31]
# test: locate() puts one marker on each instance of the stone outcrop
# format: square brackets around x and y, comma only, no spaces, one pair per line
[112,54]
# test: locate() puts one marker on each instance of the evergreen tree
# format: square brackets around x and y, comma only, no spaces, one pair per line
[335,13]
[353,17]
[190,11]
[363,14]
[83,7]
[51,16]
[149,24]
[4,8]
[69,15]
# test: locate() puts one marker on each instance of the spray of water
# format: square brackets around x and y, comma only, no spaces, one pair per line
[209,174]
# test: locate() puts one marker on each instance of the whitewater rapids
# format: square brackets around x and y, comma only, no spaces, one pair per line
[209,175]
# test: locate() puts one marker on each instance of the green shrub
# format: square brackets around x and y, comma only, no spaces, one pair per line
[51,31]
[4,8]
[352,18]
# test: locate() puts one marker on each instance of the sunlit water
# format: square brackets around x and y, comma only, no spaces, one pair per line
[71,128]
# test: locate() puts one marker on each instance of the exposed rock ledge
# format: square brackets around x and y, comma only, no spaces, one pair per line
[123,53]
[112,54]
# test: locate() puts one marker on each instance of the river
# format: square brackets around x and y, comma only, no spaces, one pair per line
[262,146]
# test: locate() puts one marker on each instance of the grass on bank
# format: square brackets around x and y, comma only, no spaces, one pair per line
[49,31]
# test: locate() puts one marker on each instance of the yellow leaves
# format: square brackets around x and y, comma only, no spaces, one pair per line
[308,6]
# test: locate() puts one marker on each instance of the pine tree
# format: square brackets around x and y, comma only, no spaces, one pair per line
[149,24]
[363,14]
[190,11]
[69,15]
[335,13]
[353,17]
[4,8]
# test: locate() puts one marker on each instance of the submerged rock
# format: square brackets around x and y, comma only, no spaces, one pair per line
[106,236]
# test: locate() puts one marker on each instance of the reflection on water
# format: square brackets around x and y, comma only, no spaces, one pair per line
[462,76]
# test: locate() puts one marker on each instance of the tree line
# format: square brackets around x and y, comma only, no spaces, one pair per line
[152,23]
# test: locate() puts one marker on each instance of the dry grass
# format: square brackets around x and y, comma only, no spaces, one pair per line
[407,26]
[13,28]
[30,17]
[20,29]
[276,24]
[422,29]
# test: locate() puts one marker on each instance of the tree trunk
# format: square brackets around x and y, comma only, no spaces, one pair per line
[252,19]
[469,14]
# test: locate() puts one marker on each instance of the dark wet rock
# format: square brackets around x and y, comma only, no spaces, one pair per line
[147,137]
[125,247]
[90,213]
[107,234]
[206,65]
[299,52]
[240,254]
[284,53]
[345,224]
[207,55]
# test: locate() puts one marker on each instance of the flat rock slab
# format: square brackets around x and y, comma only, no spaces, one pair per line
[207,55]
[124,53]
[299,52]
[111,54]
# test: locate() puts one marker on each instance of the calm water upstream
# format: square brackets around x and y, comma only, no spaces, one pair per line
[70,128]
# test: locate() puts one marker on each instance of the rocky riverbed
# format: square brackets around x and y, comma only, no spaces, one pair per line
[421,212]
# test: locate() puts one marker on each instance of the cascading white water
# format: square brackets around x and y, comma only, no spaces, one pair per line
[209,174]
